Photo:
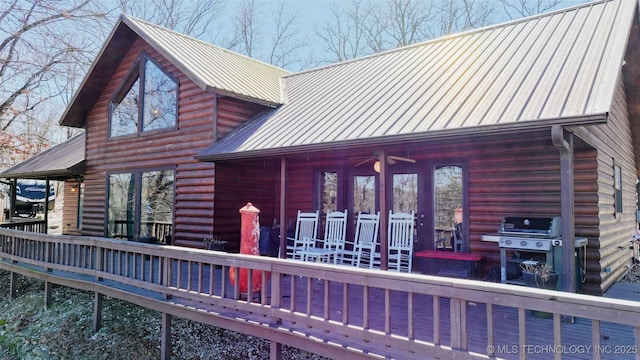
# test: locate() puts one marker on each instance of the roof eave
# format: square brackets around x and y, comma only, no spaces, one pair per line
[526,126]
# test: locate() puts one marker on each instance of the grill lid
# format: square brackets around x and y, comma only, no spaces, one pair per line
[548,227]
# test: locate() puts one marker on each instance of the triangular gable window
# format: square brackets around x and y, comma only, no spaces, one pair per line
[146,101]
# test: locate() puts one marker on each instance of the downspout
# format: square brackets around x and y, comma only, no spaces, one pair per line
[563,141]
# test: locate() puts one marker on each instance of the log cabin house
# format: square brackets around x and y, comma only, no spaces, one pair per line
[534,117]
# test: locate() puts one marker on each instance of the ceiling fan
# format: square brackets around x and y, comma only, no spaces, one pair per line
[391,159]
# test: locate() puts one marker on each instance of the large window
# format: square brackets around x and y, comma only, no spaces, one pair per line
[140,205]
[146,101]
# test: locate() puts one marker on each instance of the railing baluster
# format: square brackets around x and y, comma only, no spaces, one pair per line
[557,335]
[263,291]
[292,296]
[491,348]
[411,316]
[236,289]
[309,293]
[212,276]
[595,338]
[522,331]
[223,287]
[249,273]
[365,307]
[387,311]
[436,320]
[200,276]
[345,303]
[189,275]
[327,300]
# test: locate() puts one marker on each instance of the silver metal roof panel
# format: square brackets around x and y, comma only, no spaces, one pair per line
[560,67]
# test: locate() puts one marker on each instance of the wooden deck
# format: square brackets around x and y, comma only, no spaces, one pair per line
[339,311]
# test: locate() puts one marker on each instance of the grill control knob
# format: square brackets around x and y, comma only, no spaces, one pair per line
[539,244]
[523,243]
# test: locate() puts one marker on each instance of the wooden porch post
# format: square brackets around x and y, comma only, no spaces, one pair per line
[564,142]
[382,195]
[283,208]
[12,202]
[165,336]
[48,287]
[97,311]
[46,206]
[276,351]
[13,284]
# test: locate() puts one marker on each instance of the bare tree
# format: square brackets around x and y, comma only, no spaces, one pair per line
[247,27]
[361,29]
[194,18]
[522,8]
[38,41]
[407,21]
[285,40]
[344,34]
[459,15]
[269,33]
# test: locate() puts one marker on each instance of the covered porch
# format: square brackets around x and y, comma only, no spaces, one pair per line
[64,164]
[539,171]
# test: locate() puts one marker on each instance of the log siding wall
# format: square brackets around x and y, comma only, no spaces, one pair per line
[70,208]
[196,129]
[614,143]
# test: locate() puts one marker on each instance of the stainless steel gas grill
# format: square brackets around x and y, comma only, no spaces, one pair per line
[523,238]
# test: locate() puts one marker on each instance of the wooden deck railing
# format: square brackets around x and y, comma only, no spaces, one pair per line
[335,311]
[37,226]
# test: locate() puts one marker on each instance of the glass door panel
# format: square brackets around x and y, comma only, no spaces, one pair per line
[405,193]
[364,194]
[447,204]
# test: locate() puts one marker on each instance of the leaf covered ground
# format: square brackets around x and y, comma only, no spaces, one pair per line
[64,330]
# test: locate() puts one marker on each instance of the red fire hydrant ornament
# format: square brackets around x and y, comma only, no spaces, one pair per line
[249,244]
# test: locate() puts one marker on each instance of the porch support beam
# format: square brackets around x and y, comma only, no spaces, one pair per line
[46,206]
[382,195]
[165,336]
[13,285]
[563,140]
[98,300]
[275,350]
[48,300]
[12,203]
[283,208]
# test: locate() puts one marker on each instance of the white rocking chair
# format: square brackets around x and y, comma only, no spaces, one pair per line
[400,236]
[304,236]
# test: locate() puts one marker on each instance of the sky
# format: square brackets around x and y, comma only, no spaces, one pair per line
[314,13]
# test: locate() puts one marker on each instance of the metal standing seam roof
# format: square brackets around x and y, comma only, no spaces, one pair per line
[213,67]
[555,68]
[62,161]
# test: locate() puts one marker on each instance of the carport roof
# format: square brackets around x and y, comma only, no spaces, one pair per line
[63,161]
[555,68]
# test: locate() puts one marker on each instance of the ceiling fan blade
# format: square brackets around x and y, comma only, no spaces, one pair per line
[363,161]
[400,158]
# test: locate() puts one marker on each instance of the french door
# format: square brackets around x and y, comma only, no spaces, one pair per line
[435,191]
